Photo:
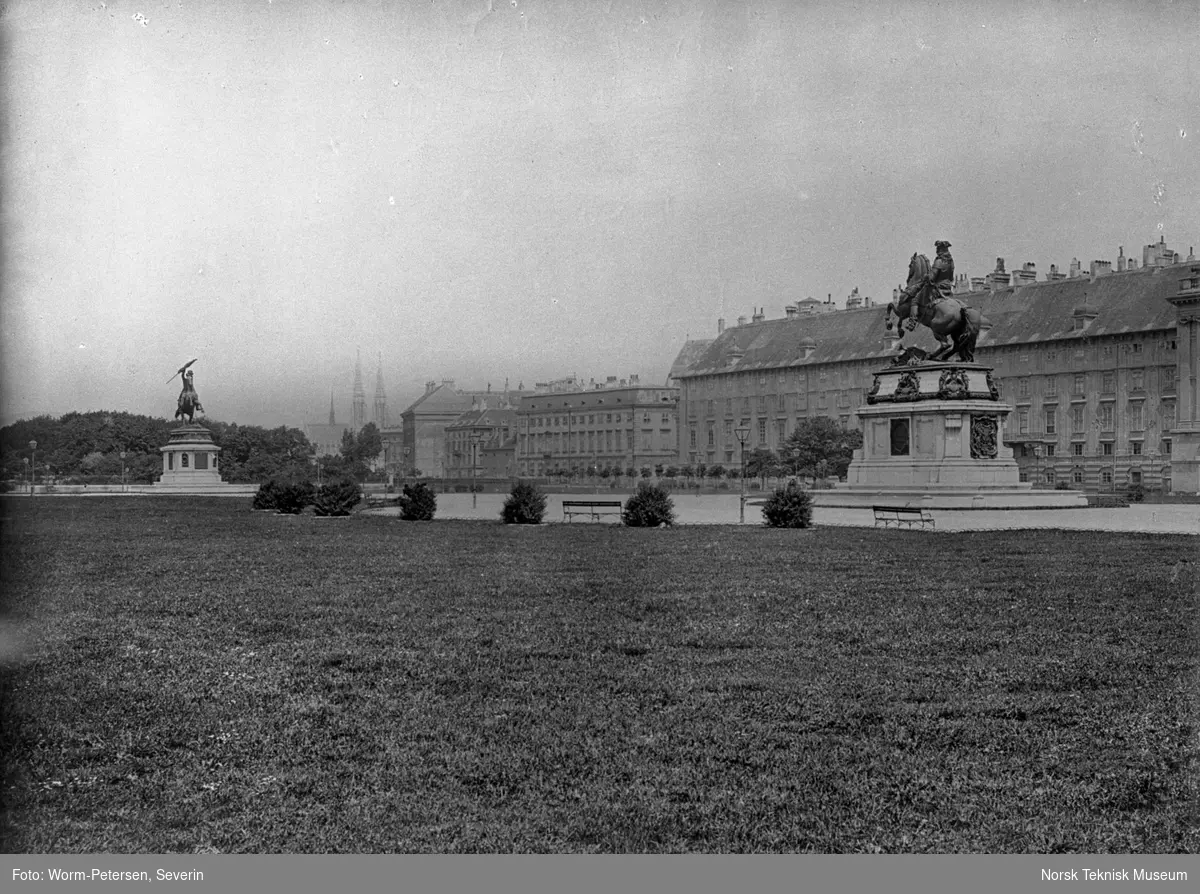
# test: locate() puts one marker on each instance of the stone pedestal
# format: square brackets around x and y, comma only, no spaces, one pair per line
[932,438]
[190,465]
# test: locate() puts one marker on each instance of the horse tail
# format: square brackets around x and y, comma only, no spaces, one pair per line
[971,324]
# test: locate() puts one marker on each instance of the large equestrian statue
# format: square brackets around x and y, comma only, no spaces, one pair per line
[189,400]
[927,299]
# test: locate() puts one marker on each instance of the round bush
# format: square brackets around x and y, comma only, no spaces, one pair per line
[418,502]
[650,507]
[292,497]
[264,497]
[526,505]
[788,507]
[337,498]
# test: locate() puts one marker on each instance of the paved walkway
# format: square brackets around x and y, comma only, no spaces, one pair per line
[722,509]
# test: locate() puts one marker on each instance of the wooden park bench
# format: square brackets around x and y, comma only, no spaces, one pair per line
[592,508]
[902,515]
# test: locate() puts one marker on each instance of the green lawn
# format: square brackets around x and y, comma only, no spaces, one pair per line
[202,677]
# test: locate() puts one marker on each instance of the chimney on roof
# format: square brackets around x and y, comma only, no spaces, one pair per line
[429,386]
[720,325]
[741,321]
[1100,268]
[633,378]
[790,311]
[1076,270]
[759,316]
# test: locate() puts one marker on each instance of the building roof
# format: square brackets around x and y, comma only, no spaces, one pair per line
[688,354]
[1127,302]
[484,418]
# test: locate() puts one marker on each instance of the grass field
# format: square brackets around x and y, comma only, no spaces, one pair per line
[199,677]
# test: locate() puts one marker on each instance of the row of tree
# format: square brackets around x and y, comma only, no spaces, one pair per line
[88,447]
[818,447]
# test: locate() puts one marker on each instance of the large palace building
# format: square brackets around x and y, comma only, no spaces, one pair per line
[1099,366]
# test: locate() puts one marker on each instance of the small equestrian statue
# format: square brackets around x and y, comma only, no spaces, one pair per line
[189,400]
[928,299]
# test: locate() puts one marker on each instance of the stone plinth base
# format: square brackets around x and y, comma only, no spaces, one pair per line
[931,438]
[190,466]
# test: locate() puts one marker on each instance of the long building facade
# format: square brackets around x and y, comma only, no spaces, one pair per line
[619,424]
[1100,369]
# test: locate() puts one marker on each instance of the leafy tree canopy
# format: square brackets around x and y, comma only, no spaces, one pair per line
[821,446]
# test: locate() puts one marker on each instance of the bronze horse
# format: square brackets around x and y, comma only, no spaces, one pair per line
[189,401]
[955,324]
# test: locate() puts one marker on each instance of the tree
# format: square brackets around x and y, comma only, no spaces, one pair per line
[716,470]
[820,446]
[760,463]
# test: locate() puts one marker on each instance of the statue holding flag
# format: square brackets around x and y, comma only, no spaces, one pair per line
[189,400]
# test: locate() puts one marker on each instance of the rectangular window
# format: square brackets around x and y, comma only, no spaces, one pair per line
[1168,416]
[1023,386]
[1166,379]
[1137,379]
[1077,476]
[1106,476]
[728,429]
[1106,448]
[1077,449]
[1108,381]
[1135,447]
[1135,415]
[712,437]
[1023,420]
[1166,446]
[1049,450]
[1080,383]
[710,408]
[1106,416]
[780,432]
[762,432]
[1051,421]
[1051,385]
[1077,419]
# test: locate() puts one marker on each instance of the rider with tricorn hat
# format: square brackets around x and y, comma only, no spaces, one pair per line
[937,285]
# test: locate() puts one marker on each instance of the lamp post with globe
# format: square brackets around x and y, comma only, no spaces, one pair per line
[32,466]
[742,433]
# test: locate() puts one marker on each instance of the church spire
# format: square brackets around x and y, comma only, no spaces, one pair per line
[380,417]
[360,397]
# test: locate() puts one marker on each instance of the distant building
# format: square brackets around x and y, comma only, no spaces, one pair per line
[617,424]
[423,437]
[481,442]
[327,437]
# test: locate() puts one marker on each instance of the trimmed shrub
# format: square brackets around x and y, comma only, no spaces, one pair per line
[418,502]
[526,505]
[650,507]
[1136,493]
[264,497]
[788,507]
[337,498]
[291,497]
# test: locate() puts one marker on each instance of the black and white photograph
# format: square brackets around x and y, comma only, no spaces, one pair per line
[600,427]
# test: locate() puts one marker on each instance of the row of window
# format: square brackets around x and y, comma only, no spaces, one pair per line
[592,442]
[1105,420]
[591,419]
[1136,381]
[1107,448]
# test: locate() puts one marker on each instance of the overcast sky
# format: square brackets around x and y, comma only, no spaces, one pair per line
[487,190]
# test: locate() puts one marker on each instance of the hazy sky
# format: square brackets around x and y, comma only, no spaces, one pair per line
[481,190]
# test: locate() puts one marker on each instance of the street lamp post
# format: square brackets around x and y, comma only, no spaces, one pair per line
[123,455]
[742,434]
[475,437]
[32,466]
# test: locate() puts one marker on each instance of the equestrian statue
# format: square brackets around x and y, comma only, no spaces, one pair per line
[189,400]
[928,299]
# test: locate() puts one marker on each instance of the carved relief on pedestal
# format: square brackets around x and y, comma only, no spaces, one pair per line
[953,384]
[983,437]
[909,387]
